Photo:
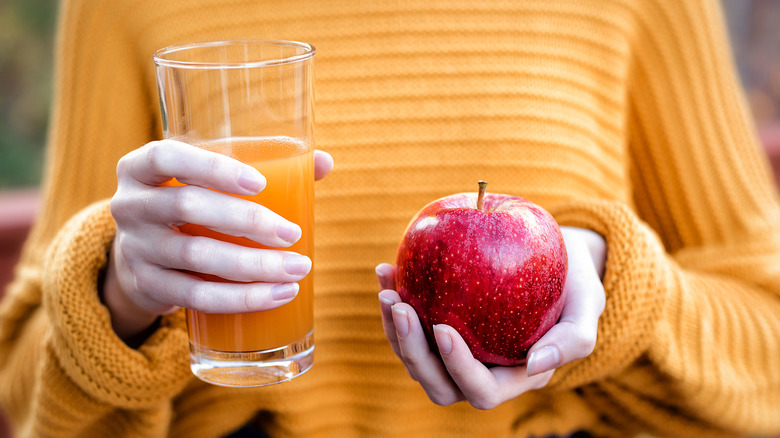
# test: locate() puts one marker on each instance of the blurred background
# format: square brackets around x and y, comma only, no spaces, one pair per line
[26,37]
[754,28]
[26,44]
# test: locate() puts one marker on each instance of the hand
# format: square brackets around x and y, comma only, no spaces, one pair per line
[145,275]
[457,376]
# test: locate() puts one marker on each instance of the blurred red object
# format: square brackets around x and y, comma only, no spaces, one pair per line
[17,212]
[770,137]
[756,48]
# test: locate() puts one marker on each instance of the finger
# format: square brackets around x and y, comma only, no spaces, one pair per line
[484,388]
[323,164]
[472,378]
[159,161]
[226,260]
[574,336]
[385,273]
[585,296]
[422,363]
[515,381]
[388,298]
[220,212]
[165,288]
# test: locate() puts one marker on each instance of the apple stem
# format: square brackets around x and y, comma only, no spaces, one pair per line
[481,195]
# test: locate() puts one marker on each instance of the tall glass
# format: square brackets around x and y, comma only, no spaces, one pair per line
[254,101]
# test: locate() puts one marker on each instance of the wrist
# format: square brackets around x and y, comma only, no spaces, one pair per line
[130,322]
[597,246]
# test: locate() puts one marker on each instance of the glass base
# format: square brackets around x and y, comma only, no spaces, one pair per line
[253,368]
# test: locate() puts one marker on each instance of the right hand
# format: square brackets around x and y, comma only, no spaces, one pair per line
[454,375]
[146,273]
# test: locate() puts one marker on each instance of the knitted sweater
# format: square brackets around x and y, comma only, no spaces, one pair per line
[621,116]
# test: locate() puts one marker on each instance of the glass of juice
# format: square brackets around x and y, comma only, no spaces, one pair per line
[252,100]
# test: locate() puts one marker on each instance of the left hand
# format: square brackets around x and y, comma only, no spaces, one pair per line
[457,376]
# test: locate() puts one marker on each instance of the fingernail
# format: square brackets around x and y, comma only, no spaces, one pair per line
[288,231]
[251,180]
[295,264]
[284,291]
[401,321]
[385,300]
[380,275]
[443,339]
[543,360]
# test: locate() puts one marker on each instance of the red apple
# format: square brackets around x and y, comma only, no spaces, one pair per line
[491,266]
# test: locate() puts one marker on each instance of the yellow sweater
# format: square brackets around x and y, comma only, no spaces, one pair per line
[623,116]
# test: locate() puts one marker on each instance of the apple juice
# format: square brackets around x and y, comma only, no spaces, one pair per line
[288,166]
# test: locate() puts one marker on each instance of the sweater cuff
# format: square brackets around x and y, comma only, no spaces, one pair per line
[87,348]
[637,277]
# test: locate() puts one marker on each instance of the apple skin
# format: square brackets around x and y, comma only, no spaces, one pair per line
[496,275]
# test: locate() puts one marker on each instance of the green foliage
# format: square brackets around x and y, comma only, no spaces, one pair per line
[26,41]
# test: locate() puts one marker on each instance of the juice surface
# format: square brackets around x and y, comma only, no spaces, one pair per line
[288,166]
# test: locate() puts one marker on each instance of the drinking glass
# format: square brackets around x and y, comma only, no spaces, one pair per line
[252,100]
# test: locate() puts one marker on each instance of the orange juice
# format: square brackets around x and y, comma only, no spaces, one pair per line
[288,166]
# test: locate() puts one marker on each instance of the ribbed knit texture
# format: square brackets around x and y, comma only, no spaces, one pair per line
[622,116]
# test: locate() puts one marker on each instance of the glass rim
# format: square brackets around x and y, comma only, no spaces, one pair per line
[159,56]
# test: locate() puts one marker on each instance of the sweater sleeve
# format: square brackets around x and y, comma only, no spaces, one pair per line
[689,341]
[82,338]
[63,372]
[88,374]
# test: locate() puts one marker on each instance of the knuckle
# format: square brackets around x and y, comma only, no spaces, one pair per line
[185,202]
[119,206]
[244,262]
[214,164]
[412,361]
[144,283]
[156,155]
[259,220]
[145,206]
[255,219]
[130,251]
[484,403]
[249,301]
[441,399]
[130,205]
[123,166]
[197,297]
[256,298]
[191,253]
[585,344]
[253,215]
[601,301]
[267,265]
[121,241]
